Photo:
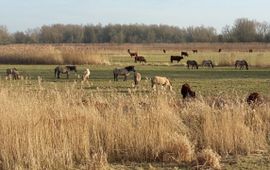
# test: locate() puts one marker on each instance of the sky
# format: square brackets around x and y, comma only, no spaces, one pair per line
[19,15]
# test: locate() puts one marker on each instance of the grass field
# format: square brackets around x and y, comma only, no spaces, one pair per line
[51,123]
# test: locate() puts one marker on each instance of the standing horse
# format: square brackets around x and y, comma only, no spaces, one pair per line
[195,51]
[13,73]
[122,72]
[241,64]
[183,53]
[132,54]
[207,63]
[64,70]
[140,59]
[192,63]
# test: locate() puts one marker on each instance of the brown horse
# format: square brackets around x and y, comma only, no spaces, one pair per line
[195,51]
[132,54]
[186,91]
[183,53]
[140,59]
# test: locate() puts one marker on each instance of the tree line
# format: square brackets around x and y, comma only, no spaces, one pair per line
[243,30]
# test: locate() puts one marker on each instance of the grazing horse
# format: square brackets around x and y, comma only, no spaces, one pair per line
[177,58]
[219,50]
[140,59]
[192,63]
[86,75]
[195,51]
[250,50]
[137,78]
[122,72]
[186,91]
[164,51]
[164,81]
[64,70]
[207,63]
[183,53]
[132,54]
[241,64]
[13,73]
[254,98]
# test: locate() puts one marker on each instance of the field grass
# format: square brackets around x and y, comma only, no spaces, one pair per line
[50,123]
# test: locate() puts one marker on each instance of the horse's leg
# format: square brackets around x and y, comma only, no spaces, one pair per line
[58,74]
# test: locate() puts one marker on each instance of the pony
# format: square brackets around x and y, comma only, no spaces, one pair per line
[86,74]
[132,54]
[13,73]
[137,78]
[122,72]
[164,81]
[187,92]
[64,70]
[140,59]
[254,99]
[241,64]
[183,53]
[207,63]
[192,63]
[177,58]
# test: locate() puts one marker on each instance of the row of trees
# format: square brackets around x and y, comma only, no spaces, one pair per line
[243,30]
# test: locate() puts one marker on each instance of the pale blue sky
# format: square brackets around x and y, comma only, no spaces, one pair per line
[23,14]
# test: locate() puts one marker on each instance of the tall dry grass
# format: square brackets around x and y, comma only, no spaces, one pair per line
[49,54]
[65,128]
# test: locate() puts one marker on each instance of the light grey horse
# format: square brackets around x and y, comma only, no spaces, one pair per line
[13,73]
[207,63]
[122,72]
[241,64]
[192,63]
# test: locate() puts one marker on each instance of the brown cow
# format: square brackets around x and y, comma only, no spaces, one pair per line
[195,51]
[187,92]
[219,50]
[183,53]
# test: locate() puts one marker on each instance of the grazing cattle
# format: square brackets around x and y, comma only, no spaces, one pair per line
[137,78]
[186,91]
[241,64]
[164,81]
[183,53]
[86,74]
[132,54]
[192,63]
[250,50]
[176,58]
[207,63]
[13,73]
[254,98]
[64,70]
[164,51]
[122,72]
[195,51]
[219,50]
[140,59]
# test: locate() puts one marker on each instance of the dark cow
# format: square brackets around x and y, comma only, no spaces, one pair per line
[183,53]
[250,50]
[219,50]
[164,51]
[176,58]
[140,59]
[132,54]
[192,63]
[195,51]
[254,98]
[187,92]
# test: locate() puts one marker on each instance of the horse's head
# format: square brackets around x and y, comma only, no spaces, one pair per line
[130,68]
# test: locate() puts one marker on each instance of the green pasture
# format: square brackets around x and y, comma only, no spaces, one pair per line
[204,81]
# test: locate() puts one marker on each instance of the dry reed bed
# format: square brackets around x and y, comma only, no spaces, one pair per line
[54,129]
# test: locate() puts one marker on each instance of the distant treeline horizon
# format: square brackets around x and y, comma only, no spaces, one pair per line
[243,30]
